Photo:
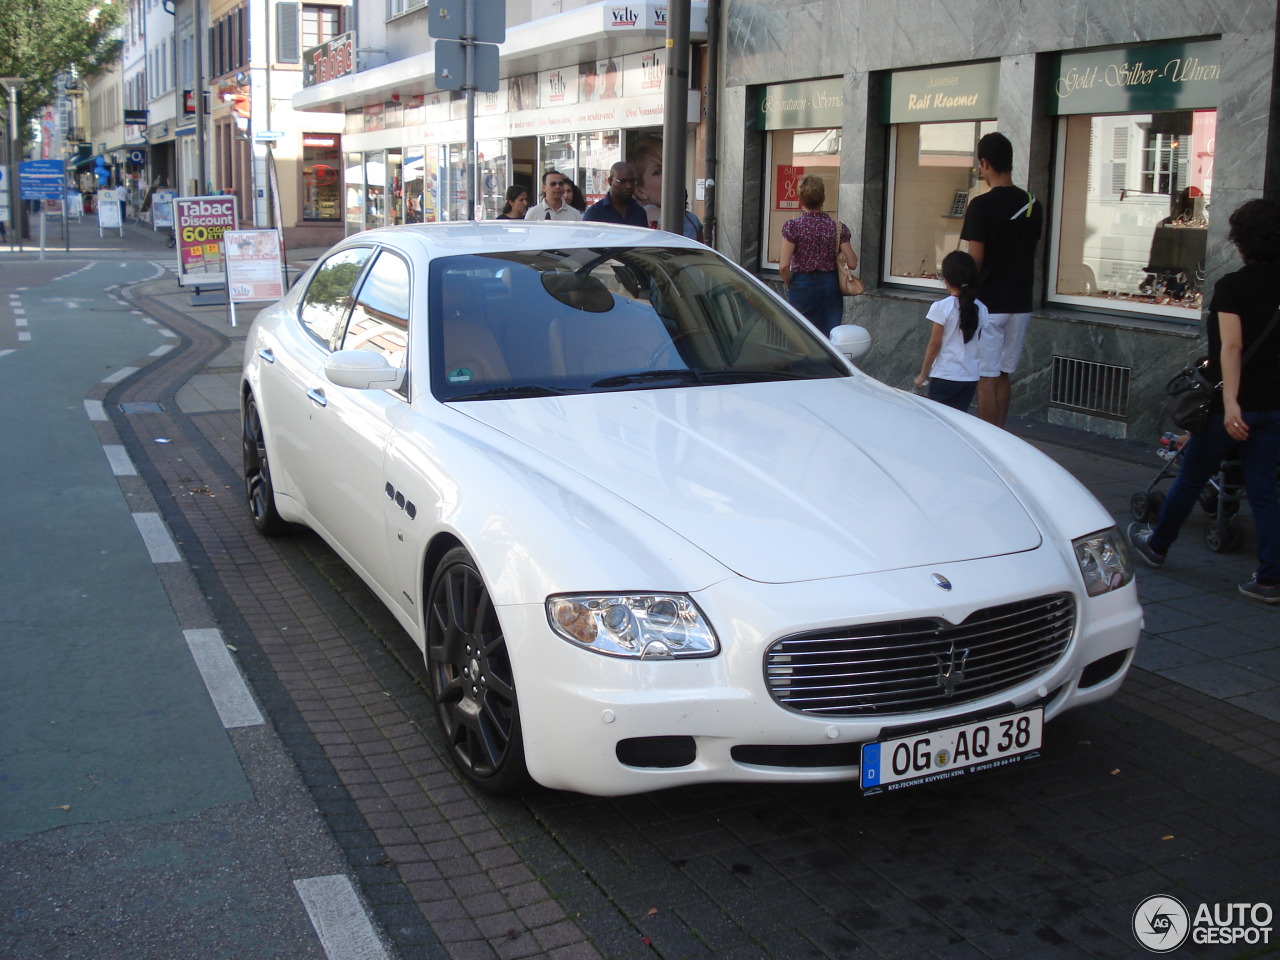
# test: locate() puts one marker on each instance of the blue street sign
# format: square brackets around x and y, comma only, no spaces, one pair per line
[42,179]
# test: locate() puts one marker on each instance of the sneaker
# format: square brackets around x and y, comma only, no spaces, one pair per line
[1139,536]
[1267,593]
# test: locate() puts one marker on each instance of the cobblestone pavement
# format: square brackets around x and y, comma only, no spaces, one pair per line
[1169,788]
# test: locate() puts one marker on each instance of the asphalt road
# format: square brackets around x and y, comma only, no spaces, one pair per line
[1170,788]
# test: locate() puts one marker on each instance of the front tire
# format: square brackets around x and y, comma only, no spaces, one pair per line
[469,670]
[259,492]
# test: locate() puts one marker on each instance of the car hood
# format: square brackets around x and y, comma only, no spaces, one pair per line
[783,482]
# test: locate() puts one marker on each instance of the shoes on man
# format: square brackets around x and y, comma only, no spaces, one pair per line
[1139,536]
[1267,593]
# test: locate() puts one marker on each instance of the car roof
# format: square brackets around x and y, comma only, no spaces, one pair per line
[495,236]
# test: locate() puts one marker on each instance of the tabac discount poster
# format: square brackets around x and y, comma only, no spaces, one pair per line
[199,224]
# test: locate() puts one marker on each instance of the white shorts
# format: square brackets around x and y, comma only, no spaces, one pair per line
[1002,340]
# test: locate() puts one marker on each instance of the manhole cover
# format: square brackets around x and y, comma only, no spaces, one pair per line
[142,407]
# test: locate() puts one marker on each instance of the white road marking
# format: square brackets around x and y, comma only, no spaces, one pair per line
[341,923]
[167,333]
[121,465]
[19,321]
[5,353]
[120,374]
[161,350]
[24,337]
[222,678]
[156,538]
[96,411]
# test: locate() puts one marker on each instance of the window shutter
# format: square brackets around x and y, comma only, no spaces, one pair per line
[287,33]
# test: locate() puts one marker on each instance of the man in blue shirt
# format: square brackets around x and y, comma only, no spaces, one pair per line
[619,204]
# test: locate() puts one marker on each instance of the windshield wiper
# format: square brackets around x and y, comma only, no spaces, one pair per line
[511,392]
[751,376]
[645,376]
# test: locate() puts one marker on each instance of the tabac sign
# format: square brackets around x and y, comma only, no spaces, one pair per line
[938,94]
[1149,79]
[330,60]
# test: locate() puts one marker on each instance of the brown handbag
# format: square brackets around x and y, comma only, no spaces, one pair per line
[850,285]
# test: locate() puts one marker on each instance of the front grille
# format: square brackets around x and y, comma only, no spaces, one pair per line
[905,666]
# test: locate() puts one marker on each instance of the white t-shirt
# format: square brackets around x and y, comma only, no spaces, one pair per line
[956,360]
[540,211]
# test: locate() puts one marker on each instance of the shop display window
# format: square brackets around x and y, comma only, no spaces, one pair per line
[416,207]
[375,179]
[792,155]
[597,153]
[933,179]
[353,180]
[321,176]
[1131,225]
[493,172]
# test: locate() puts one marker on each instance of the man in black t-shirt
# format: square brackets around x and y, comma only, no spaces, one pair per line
[1002,227]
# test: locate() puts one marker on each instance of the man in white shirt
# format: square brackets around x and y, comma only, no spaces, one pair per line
[555,191]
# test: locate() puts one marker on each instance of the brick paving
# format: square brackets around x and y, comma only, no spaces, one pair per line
[1169,788]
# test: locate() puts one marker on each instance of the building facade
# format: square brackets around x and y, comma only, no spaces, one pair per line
[1141,126]
[580,87]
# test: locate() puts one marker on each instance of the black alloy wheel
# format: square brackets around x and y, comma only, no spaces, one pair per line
[469,670]
[261,495]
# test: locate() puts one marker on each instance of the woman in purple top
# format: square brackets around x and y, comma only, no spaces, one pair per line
[808,261]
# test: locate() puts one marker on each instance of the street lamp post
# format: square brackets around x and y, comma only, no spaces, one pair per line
[13,85]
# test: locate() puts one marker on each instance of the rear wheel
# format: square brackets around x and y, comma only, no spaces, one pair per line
[259,492]
[1138,506]
[469,670]
[1223,537]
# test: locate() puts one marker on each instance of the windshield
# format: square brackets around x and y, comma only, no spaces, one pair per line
[549,322]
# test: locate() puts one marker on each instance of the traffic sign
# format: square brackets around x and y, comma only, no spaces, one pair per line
[42,179]
[447,20]
[451,66]
[269,135]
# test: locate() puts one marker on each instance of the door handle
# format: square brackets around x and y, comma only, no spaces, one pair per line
[316,395]
[266,354]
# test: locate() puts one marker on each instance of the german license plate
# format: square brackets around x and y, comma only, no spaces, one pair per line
[956,751]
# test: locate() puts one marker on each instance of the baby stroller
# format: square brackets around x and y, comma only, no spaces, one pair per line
[1220,498]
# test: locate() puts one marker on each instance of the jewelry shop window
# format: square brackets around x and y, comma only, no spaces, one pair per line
[936,117]
[1134,165]
[803,122]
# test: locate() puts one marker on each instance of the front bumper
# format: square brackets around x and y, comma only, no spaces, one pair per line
[607,726]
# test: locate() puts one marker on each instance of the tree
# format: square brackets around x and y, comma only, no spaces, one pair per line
[43,38]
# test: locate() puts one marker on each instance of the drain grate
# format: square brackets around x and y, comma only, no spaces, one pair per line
[141,406]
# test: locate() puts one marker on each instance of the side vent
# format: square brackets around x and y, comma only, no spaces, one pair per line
[1099,389]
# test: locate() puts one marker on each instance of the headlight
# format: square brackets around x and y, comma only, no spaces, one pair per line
[1104,561]
[647,626]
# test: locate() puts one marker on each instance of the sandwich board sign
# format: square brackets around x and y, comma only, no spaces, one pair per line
[199,223]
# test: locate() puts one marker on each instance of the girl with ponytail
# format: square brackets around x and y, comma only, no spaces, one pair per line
[951,360]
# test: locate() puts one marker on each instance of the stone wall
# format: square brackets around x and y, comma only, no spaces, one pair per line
[859,40]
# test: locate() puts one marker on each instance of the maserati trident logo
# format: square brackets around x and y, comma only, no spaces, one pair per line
[940,581]
[951,669]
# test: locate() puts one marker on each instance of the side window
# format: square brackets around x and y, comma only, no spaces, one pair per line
[330,295]
[380,318]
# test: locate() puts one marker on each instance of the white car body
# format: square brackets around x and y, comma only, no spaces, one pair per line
[780,508]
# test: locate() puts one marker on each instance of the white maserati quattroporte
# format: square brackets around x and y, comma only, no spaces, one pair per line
[650,528]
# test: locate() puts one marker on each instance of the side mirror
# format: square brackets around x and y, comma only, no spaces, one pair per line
[362,370]
[851,340]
